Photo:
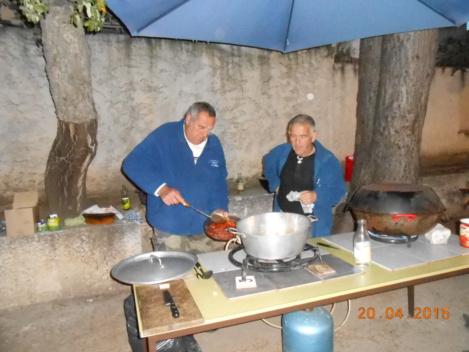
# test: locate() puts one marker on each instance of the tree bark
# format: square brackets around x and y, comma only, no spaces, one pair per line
[395,75]
[68,68]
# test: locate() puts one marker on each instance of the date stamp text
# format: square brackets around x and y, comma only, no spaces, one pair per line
[397,313]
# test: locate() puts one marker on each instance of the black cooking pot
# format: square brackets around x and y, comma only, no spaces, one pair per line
[397,209]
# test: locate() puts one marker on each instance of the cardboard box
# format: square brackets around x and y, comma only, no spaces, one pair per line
[22,218]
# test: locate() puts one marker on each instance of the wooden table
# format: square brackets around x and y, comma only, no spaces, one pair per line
[217,311]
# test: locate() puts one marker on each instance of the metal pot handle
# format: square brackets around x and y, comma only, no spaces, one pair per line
[312,218]
[347,203]
[236,232]
[409,217]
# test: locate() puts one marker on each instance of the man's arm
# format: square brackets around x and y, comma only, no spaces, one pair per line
[271,173]
[143,165]
[330,185]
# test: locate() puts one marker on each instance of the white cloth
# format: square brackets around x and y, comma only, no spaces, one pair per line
[438,235]
[295,197]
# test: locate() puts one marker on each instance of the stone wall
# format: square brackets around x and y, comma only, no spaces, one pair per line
[140,83]
[75,262]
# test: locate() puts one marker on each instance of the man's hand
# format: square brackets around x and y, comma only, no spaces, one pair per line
[170,196]
[308,197]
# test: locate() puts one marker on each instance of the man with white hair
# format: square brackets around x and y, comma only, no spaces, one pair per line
[305,176]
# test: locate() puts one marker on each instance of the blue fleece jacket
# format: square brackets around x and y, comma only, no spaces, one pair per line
[165,157]
[329,184]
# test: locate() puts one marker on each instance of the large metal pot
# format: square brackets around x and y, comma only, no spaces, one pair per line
[274,236]
[397,209]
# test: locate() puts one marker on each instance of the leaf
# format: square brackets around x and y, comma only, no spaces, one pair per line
[88,9]
[76,20]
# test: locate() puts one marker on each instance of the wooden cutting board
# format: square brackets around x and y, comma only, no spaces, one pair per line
[155,317]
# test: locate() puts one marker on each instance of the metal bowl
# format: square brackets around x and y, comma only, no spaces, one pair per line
[274,236]
[99,219]
[397,209]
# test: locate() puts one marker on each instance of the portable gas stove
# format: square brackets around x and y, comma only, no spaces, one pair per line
[381,237]
[271,266]
[236,265]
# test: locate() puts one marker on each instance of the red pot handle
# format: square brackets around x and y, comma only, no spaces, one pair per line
[409,217]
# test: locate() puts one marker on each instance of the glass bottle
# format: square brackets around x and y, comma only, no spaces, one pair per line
[240,182]
[362,245]
[125,198]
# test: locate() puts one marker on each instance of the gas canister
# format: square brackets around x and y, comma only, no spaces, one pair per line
[310,330]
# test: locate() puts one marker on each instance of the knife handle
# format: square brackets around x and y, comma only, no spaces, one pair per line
[174,310]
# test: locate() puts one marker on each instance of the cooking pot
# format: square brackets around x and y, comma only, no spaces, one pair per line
[274,236]
[397,209]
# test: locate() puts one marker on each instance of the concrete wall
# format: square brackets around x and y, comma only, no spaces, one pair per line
[140,83]
[75,262]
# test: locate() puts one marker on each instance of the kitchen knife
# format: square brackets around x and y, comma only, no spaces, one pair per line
[326,245]
[168,300]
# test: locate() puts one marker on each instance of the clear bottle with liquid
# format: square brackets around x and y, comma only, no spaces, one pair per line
[362,245]
[240,184]
[125,198]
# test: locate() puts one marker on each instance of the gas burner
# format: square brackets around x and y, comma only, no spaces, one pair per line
[381,237]
[261,265]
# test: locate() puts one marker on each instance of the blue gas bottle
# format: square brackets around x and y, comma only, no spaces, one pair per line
[310,330]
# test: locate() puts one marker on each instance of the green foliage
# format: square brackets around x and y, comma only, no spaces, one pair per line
[33,10]
[342,52]
[90,14]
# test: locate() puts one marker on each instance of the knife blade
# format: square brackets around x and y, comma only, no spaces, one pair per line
[168,300]
[326,245]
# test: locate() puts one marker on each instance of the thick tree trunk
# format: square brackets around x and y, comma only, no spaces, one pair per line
[369,70]
[68,69]
[394,83]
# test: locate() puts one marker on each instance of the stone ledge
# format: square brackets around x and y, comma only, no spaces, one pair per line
[75,262]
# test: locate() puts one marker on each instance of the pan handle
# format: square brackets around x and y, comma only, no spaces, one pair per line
[410,217]
[347,204]
[236,232]
[312,218]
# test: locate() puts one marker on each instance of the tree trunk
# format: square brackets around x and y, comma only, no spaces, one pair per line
[394,83]
[68,69]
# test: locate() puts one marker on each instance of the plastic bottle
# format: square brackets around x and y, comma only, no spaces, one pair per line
[362,245]
[240,182]
[125,199]
[53,222]
[42,226]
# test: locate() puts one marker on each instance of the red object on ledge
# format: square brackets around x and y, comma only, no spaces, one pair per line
[348,167]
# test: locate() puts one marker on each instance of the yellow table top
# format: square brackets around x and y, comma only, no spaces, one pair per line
[215,307]
[218,311]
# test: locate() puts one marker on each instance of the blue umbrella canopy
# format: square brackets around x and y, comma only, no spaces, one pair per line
[284,25]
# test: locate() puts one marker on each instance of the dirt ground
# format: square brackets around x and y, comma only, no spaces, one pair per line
[98,324]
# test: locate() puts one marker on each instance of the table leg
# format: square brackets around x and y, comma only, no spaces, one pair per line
[411,300]
[150,344]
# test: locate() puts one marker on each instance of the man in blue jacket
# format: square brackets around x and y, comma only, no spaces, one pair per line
[179,163]
[306,177]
